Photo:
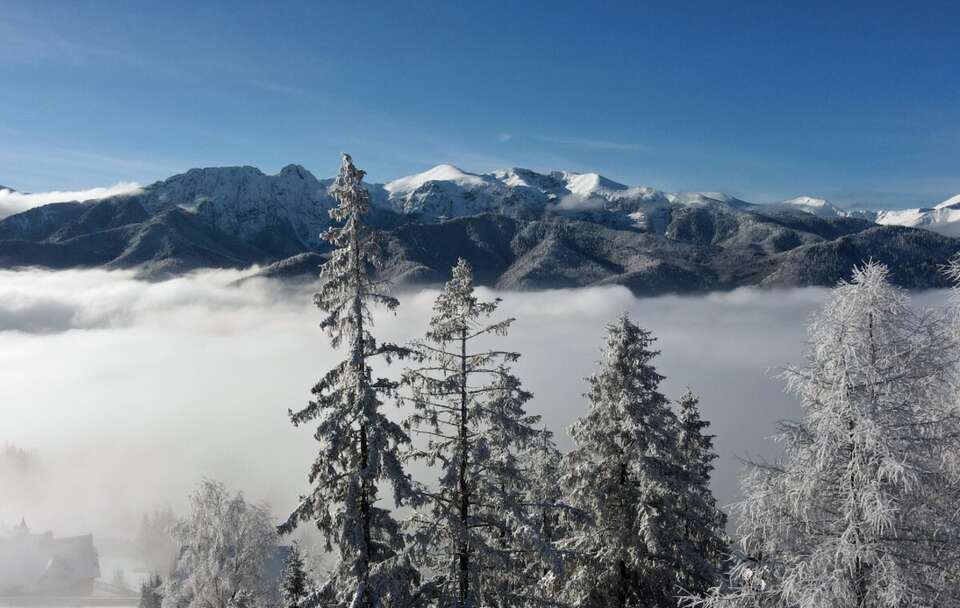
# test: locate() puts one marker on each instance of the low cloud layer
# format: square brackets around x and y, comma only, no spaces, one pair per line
[130,392]
[12,202]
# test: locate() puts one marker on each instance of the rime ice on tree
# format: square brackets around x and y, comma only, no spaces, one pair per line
[358,443]
[474,528]
[224,543]
[704,548]
[862,511]
[627,475]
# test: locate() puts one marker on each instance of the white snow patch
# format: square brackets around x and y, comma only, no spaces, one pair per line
[808,201]
[515,181]
[440,173]
[901,217]
[815,206]
[953,200]
[586,184]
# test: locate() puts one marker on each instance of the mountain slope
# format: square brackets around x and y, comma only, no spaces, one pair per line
[942,219]
[519,228]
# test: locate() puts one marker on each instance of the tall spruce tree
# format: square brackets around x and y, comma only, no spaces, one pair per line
[359,445]
[623,474]
[704,541]
[295,584]
[862,510]
[472,528]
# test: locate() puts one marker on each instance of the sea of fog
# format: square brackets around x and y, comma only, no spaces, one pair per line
[128,393]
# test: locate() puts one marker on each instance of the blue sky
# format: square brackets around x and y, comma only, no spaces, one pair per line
[859,103]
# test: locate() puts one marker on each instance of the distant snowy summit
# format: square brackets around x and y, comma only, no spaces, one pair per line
[242,200]
[943,218]
[519,229]
[447,191]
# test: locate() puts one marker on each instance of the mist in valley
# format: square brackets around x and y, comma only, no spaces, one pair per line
[125,394]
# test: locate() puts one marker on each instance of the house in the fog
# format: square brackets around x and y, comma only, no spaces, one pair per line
[40,564]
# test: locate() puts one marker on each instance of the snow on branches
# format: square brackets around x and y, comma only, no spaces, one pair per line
[474,527]
[359,445]
[651,526]
[862,510]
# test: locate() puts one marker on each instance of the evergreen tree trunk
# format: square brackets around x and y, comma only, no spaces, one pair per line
[622,564]
[360,446]
[475,530]
[464,454]
[359,364]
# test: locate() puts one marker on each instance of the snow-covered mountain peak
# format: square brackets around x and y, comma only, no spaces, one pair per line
[704,198]
[440,173]
[245,202]
[808,201]
[951,202]
[296,171]
[589,184]
[551,184]
[814,206]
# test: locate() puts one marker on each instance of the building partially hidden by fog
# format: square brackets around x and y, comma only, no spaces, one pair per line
[40,564]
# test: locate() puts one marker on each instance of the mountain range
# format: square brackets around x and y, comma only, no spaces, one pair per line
[519,228]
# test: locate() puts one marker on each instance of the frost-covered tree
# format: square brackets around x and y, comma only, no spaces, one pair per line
[624,474]
[224,545]
[704,549]
[358,443]
[295,584]
[544,495]
[862,510]
[472,528]
[545,505]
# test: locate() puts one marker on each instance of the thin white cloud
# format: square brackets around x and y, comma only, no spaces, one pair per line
[12,202]
[504,137]
[578,202]
[595,144]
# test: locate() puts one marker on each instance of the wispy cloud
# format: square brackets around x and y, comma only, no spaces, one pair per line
[12,202]
[595,144]
[504,137]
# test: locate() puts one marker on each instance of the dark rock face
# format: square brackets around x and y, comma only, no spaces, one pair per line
[646,240]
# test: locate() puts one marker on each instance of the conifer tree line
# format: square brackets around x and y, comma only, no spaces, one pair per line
[625,519]
[862,510]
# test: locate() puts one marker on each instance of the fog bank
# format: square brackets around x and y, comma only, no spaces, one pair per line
[131,392]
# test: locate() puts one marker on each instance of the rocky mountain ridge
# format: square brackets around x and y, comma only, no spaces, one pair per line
[520,229]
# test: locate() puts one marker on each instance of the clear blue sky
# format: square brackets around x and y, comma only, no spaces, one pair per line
[858,102]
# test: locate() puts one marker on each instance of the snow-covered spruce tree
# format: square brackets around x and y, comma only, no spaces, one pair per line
[862,510]
[224,545]
[295,584]
[704,550]
[544,495]
[544,499]
[359,445]
[624,474]
[472,528]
